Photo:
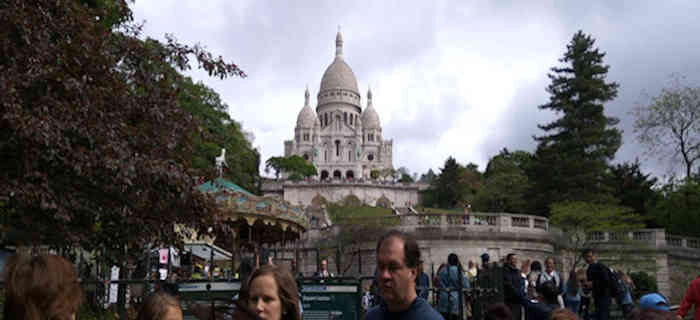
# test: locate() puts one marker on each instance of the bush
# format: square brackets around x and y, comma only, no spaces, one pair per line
[644,284]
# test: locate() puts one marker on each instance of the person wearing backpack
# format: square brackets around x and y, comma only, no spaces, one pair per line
[552,275]
[599,280]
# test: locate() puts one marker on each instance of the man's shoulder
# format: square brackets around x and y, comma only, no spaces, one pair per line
[419,310]
[374,313]
[425,311]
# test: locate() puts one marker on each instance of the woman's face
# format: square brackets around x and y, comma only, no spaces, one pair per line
[173,313]
[264,299]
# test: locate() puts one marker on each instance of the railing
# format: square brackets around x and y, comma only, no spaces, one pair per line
[503,222]
[652,237]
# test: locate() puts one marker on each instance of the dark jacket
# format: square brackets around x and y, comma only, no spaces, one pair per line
[599,274]
[512,284]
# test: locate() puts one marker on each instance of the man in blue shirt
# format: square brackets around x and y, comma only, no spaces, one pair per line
[397,268]
[422,282]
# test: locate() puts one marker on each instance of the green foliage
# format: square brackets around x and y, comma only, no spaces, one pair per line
[572,157]
[359,215]
[456,185]
[404,176]
[95,146]
[295,166]
[670,124]
[578,219]
[374,174]
[677,208]
[505,183]
[644,284]
[633,188]
[216,131]
[428,177]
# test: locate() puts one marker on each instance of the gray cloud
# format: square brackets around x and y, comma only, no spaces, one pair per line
[285,46]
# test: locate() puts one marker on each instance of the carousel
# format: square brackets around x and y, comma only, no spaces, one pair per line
[253,223]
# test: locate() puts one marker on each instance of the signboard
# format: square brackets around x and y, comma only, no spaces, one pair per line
[330,301]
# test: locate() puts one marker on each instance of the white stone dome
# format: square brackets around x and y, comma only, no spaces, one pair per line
[339,75]
[307,117]
[370,118]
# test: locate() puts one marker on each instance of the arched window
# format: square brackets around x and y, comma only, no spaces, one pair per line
[345,117]
[351,116]
[325,118]
[337,148]
[349,155]
[337,174]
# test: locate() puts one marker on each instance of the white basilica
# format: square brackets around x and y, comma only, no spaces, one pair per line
[340,139]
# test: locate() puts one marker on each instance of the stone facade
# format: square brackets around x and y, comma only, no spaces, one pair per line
[341,139]
[370,193]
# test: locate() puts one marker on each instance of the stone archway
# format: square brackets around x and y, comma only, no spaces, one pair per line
[383,202]
[350,174]
[337,174]
[318,200]
[324,175]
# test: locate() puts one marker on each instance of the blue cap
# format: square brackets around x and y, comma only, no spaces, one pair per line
[653,301]
[485,256]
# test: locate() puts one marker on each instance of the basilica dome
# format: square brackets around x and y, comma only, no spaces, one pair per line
[306,118]
[370,118]
[339,75]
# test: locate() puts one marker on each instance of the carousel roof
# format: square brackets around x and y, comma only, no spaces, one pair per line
[255,218]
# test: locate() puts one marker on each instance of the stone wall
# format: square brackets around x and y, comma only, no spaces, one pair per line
[303,192]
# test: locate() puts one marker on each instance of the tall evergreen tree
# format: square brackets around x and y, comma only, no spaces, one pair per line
[573,154]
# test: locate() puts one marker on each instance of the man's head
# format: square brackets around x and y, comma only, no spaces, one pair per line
[398,257]
[548,291]
[512,260]
[324,265]
[484,258]
[549,264]
[588,255]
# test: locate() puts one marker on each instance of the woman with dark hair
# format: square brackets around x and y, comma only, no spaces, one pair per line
[41,287]
[452,280]
[160,306]
[272,294]
[572,292]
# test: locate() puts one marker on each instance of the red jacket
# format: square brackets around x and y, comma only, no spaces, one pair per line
[691,297]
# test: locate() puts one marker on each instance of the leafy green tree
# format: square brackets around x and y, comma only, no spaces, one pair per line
[578,220]
[633,188]
[456,185]
[294,166]
[428,177]
[217,131]
[572,157]
[95,145]
[404,175]
[670,124]
[505,183]
[677,208]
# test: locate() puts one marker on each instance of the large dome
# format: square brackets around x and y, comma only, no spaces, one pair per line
[339,75]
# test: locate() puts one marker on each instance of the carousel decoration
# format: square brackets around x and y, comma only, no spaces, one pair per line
[254,220]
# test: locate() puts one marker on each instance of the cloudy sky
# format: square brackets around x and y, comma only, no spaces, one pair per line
[449,78]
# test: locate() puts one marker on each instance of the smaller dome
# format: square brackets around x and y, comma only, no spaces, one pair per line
[370,118]
[307,118]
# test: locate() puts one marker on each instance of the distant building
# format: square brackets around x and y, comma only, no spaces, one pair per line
[341,139]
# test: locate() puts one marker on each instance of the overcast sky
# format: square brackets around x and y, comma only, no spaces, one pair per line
[449,78]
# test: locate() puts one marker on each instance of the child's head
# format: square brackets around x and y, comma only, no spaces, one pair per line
[160,306]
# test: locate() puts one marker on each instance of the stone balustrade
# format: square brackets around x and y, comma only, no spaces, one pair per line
[657,238]
[477,222]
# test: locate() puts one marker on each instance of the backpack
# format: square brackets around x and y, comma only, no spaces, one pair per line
[617,285]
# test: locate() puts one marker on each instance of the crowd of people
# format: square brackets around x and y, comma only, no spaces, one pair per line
[47,287]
